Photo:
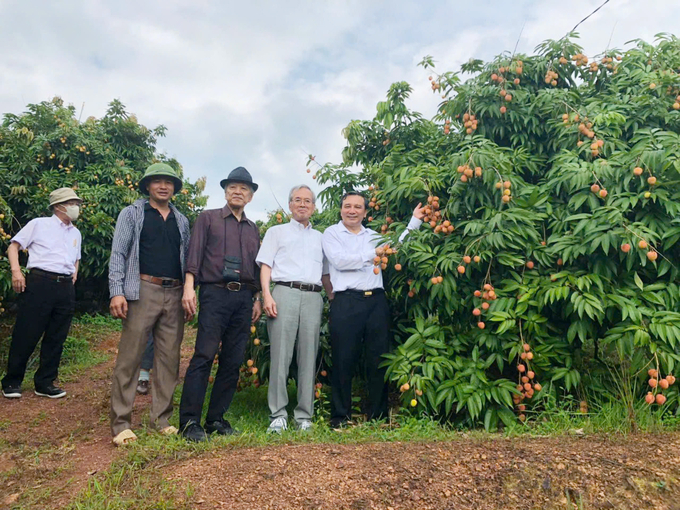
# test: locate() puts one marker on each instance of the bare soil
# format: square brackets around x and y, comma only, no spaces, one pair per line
[639,471]
[54,446]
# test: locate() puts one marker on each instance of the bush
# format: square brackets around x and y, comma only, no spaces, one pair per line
[102,159]
[560,178]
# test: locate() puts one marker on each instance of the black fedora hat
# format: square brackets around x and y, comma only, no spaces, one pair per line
[239,174]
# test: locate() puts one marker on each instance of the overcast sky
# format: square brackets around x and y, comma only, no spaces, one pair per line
[262,84]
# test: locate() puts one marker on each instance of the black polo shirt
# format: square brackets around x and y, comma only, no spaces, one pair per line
[159,245]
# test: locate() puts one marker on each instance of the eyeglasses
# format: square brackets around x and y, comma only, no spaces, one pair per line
[300,201]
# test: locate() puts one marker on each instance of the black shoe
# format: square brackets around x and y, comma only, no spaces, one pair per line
[221,427]
[194,432]
[12,392]
[339,423]
[142,387]
[50,391]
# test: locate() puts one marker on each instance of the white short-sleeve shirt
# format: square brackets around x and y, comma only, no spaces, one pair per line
[52,245]
[294,253]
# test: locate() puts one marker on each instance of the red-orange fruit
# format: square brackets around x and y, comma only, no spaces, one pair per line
[649,398]
[660,399]
[478,293]
[467,259]
[481,325]
[642,244]
[461,269]
[653,383]
[476,312]
[625,247]
[530,265]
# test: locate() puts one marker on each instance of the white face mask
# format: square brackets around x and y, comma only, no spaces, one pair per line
[72,211]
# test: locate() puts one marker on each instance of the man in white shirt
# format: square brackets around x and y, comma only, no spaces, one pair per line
[291,256]
[359,311]
[48,299]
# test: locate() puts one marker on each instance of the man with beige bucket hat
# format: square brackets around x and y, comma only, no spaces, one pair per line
[47,300]
[146,275]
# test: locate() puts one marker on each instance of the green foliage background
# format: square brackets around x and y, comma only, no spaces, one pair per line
[47,147]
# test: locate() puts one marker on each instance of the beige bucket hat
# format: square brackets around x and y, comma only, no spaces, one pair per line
[63,195]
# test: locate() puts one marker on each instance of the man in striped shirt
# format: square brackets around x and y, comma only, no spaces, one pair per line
[145,282]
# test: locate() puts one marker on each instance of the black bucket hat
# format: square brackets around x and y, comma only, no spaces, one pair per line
[239,174]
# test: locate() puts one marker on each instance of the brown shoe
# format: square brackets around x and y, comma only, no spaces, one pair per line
[142,387]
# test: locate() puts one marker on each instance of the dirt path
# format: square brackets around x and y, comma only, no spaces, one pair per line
[51,447]
[595,472]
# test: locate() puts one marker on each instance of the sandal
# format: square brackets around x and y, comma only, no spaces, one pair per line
[125,437]
[169,430]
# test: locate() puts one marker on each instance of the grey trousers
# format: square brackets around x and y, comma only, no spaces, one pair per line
[299,316]
[158,310]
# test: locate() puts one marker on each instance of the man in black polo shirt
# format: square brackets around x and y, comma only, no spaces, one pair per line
[145,281]
[224,244]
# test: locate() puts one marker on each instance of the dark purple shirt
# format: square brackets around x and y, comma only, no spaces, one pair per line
[217,233]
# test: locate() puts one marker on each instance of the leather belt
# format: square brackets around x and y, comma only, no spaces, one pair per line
[169,283]
[235,286]
[301,286]
[57,277]
[363,293]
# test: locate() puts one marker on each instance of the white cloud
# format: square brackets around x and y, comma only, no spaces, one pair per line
[262,84]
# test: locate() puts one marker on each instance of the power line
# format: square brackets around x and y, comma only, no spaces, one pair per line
[589,15]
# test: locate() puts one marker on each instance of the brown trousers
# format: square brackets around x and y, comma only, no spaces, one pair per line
[159,310]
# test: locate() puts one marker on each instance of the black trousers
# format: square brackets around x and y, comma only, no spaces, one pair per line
[355,319]
[224,318]
[45,310]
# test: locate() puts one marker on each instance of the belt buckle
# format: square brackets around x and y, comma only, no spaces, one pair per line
[166,283]
[60,278]
[368,293]
[235,286]
[306,286]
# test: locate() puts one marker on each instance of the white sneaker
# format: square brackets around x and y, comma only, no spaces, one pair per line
[304,426]
[278,425]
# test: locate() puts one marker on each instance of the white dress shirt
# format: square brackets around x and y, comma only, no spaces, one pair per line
[350,256]
[294,253]
[52,245]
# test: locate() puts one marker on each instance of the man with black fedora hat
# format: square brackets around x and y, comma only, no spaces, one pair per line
[221,260]
[146,273]
[47,300]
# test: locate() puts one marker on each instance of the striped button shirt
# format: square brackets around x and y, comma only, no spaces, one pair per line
[124,262]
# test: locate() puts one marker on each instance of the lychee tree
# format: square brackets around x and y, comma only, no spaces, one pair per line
[48,147]
[547,264]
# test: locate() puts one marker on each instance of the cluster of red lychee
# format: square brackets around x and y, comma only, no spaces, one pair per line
[486,294]
[676,105]
[658,385]
[579,59]
[433,217]
[447,126]
[602,192]
[551,78]
[506,193]
[381,259]
[374,202]
[468,172]
[469,123]
[467,260]
[652,254]
[527,377]
[435,86]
